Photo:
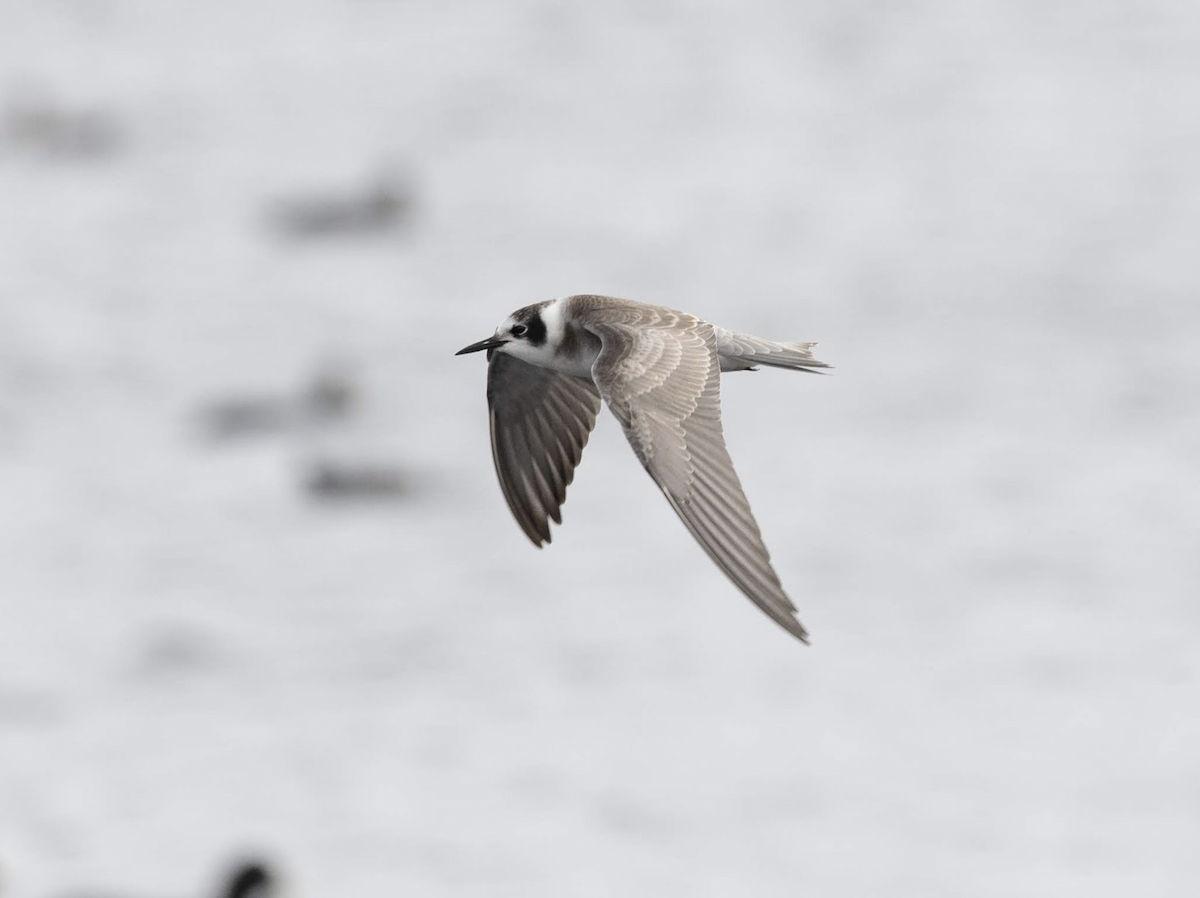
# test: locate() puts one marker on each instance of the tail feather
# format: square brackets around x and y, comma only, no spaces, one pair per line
[741,352]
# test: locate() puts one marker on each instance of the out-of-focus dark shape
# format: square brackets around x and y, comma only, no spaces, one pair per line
[329,480]
[176,650]
[38,126]
[331,396]
[250,879]
[381,206]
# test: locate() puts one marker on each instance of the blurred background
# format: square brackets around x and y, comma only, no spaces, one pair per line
[259,590]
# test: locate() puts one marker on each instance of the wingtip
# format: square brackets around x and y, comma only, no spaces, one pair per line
[796,628]
[533,534]
[792,624]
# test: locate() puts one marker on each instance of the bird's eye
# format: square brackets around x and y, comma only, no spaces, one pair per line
[518,330]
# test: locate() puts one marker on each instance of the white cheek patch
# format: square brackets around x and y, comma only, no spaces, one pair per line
[555,321]
[535,355]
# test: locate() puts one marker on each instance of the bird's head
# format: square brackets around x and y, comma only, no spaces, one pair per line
[523,334]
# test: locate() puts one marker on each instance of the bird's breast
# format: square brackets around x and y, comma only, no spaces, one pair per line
[577,352]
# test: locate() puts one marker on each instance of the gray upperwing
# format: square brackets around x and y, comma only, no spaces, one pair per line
[540,421]
[659,372]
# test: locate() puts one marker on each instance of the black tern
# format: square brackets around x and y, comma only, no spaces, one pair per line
[549,366]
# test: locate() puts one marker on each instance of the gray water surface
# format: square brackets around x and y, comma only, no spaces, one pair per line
[987,213]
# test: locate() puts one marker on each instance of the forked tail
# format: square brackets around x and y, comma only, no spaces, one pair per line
[742,352]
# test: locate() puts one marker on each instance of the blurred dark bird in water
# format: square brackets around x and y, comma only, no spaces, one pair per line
[336,481]
[379,207]
[250,879]
[36,126]
[331,396]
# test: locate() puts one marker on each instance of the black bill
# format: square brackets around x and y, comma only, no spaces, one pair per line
[489,343]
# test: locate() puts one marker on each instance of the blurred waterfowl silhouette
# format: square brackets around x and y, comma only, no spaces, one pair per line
[355,481]
[250,879]
[35,125]
[380,206]
[330,396]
